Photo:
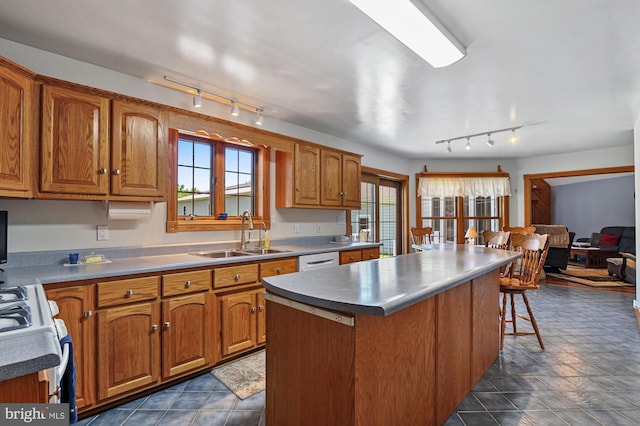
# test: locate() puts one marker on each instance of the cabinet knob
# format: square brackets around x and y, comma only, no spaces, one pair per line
[253,309]
[88,314]
[154,327]
[237,277]
[187,284]
[261,308]
[352,258]
[129,292]
[103,171]
[116,172]
[167,324]
[297,189]
[278,270]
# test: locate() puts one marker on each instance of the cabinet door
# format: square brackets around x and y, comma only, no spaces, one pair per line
[350,256]
[238,325]
[261,325]
[75,140]
[128,348]
[306,175]
[187,334]
[16,132]
[139,150]
[331,182]
[351,181]
[76,309]
[371,253]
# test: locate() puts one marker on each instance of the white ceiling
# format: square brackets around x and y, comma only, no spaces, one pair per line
[568,70]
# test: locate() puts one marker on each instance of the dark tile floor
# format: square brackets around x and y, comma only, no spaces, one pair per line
[587,375]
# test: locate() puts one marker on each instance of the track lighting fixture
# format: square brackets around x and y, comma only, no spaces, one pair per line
[513,138]
[235,111]
[235,103]
[197,100]
[490,141]
[259,116]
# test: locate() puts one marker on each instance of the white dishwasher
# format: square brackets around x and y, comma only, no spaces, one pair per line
[312,262]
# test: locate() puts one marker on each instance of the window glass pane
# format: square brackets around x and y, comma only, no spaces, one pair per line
[185,178]
[231,159]
[239,181]
[245,162]
[185,152]
[201,180]
[202,155]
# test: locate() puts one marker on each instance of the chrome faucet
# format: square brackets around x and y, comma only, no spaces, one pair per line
[245,215]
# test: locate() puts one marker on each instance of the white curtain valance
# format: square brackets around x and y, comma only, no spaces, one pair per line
[464,187]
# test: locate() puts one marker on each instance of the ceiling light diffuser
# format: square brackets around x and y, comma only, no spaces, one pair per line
[412,24]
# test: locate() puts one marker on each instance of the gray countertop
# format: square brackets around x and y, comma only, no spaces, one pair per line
[22,355]
[384,286]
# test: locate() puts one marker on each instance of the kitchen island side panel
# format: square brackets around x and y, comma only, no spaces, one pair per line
[485,335]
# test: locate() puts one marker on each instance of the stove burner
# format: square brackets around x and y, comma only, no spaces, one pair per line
[13,294]
[15,316]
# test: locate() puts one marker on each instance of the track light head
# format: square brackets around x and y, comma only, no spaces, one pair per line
[448,146]
[235,111]
[490,141]
[513,138]
[197,100]
[468,145]
[259,119]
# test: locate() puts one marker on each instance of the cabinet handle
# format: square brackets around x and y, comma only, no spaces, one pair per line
[261,308]
[187,284]
[88,314]
[278,270]
[154,327]
[253,309]
[103,171]
[352,258]
[129,292]
[167,324]
[116,172]
[237,277]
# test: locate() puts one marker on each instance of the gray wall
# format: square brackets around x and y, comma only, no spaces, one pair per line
[588,206]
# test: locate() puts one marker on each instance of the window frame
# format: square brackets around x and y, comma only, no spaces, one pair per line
[176,223]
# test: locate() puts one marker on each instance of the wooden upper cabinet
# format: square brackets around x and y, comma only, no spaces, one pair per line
[315,177]
[139,150]
[306,161]
[91,152]
[17,133]
[74,142]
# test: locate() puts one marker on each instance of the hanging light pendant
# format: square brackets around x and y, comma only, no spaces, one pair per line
[259,119]
[235,111]
[197,100]
[448,146]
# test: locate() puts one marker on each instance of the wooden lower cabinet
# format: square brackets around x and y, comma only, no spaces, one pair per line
[351,256]
[128,348]
[76,306]
[242,321]
[187,333]
[31,388]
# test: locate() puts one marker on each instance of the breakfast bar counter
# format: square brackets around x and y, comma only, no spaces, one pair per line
[373,342]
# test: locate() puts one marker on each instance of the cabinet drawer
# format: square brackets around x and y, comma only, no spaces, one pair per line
[185,282]
[234,275]
[278,267]
[350,256]
[127,291]
[370,253]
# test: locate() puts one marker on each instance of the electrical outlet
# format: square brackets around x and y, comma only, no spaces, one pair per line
[103,232]
[296,228]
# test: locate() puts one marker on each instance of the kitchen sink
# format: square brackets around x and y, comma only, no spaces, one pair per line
[221,254]
[264,251]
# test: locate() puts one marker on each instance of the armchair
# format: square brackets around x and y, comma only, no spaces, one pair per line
[560,241]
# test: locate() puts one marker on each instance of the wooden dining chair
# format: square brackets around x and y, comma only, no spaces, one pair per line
[523,276]
[497,239]
[527,230]
[421,236]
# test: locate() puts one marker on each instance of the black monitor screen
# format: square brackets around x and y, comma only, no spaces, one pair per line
[3,235]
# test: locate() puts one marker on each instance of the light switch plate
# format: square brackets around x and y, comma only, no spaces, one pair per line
[103,232]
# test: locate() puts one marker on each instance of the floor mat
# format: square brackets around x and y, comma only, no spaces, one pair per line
[590,277]
[244,377]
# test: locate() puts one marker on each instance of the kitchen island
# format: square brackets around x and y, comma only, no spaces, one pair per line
[397,339]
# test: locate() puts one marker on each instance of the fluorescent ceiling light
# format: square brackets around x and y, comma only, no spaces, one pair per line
[410,22]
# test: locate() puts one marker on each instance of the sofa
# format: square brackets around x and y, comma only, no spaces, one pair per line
[560,241]
[622,239]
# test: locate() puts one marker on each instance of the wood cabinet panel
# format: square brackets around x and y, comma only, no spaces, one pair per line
[351,177]
[128,291]
[74,142]
[235,275]
[485,343]
[278,267]
[76,305]
[350,256]
[371,253]
[187,333]
[454,348]
[261,317]
[331,182]
[128,348]
[238,322]
[31,388]
[185,282]
[139,150]
[306,164]
[17,133]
